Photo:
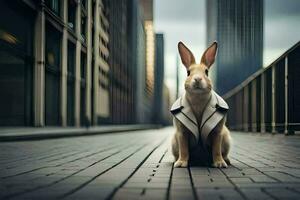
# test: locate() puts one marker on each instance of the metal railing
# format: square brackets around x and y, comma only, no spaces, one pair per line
[269,100]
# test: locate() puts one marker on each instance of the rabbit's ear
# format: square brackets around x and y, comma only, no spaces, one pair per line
[187,57]
[208,57]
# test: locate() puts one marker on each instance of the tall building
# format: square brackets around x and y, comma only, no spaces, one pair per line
[137,59]
[16,60]
[238,28]
[147,6]
[100,62]
[159,78]
[120,76]
[76,63]
[161,106]
[130,86]
[45,63]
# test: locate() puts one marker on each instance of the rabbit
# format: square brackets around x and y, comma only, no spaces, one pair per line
[200,114]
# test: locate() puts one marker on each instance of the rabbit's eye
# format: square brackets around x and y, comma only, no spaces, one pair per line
[206,72]
[188,72]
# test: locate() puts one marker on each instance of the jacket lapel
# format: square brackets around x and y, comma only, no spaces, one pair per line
[209,110]
[214,113]
[187,110]
[182,112]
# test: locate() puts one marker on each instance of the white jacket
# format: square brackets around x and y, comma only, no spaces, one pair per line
[214,112]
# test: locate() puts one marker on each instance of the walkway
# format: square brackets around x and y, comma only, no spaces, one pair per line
[138,165]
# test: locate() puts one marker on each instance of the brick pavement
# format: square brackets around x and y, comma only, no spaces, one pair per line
[138,165]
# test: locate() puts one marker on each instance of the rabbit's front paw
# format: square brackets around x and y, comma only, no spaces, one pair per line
[220,163]
[227,161]
[181,163]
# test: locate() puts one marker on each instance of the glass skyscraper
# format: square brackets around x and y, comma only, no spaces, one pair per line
[238,27]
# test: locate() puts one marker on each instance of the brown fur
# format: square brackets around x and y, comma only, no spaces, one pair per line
[198,88]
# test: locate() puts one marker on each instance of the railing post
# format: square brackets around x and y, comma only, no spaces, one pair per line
[253,107]
[286,95]
[241,100]
[273,100]
[263,125]
[245,109]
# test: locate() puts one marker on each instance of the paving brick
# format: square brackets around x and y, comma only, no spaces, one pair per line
[91,193]
[282,193]
[199,171]
[179,193]
[233,172]
[266,185]
[181,183]
[263,178]
[215,172]
[212,194]
[224,184]
[255,194]
[180,173]
[282,176]
[140,194]
[241,180]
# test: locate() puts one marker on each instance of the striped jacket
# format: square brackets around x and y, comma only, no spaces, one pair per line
[214,112]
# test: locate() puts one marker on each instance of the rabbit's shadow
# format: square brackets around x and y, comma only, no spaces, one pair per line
[200,158]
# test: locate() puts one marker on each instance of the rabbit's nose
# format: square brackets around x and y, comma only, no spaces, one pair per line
[197,78]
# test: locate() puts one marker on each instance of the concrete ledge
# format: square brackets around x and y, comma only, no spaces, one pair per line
[40,133]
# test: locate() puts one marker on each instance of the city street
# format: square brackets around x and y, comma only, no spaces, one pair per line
[138,165]
[89,91]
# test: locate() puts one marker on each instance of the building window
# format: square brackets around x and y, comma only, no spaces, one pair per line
[71,59]
[70,103]
[71,84]
[83,20]
[16,66]
[83,66]
[72,13]
[83,4]
[83,118]
[83,26]
[52,77]
[54,5]
[53,51]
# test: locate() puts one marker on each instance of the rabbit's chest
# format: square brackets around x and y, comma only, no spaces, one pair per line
[200,124]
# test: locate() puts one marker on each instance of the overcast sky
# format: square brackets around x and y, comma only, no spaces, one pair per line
[281,27]
[180,20]
[184,20]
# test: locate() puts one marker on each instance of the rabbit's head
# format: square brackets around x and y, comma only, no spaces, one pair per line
[197,81]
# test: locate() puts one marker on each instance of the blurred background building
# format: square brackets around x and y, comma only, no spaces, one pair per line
[238,28]
[121,76]
[161,93]
[80,63]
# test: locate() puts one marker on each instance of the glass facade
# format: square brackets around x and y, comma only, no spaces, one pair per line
[102,99]
[83,20]
[54,5]
[71,84]
[83,118]
[238,28]
[71,13]
[120,76]
[16,65]
[52,77]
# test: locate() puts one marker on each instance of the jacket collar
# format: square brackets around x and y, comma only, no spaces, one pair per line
[216,103]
